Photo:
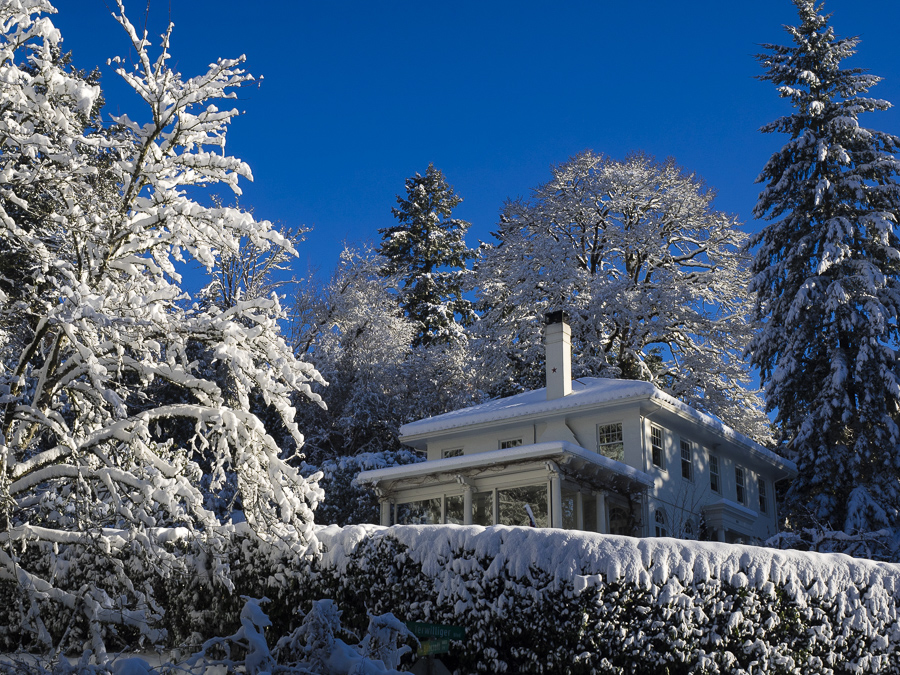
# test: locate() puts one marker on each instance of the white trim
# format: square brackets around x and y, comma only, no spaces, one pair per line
[587,394]
[559,451]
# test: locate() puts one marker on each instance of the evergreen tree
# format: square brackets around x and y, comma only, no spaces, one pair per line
[826,278]
[427,250]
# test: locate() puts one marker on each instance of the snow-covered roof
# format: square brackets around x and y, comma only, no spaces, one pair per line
[555,450]
[587,392]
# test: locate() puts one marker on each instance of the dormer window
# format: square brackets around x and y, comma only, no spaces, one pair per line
[510,443]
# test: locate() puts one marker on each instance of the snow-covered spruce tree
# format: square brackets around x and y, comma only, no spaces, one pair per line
[93,495]
[826,278]
[653,278]
[427,250]
[355,333]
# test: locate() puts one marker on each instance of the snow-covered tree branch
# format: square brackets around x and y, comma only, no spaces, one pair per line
[654,280]
[827,280]
[95,221]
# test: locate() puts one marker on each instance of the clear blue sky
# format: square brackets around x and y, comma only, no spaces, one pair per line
[357,96]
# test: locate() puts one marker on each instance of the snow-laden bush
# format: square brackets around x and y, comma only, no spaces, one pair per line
[312,649]
[552,601]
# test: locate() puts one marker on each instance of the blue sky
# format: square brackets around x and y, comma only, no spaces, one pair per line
[357,96]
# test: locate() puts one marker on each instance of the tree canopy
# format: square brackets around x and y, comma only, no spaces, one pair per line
[652,277]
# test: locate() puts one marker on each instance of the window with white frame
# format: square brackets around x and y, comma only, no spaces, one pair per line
[739,485]
[510,443]
[689,530]
[451,452]
[656,447]
[662,527]
[763,495]
[609,441]
[687,460]
[715,483]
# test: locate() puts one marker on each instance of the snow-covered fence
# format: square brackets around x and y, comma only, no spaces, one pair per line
[551,601]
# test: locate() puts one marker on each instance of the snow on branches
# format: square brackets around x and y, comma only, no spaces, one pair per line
[652,277]
[828,291]
[117,391]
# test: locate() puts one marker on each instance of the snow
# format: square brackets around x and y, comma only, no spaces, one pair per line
[590,558]
[555,450]
[587,392]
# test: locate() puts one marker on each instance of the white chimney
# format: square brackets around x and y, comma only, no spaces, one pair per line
[558,355]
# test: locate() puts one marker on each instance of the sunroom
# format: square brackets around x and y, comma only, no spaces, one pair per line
[552,484]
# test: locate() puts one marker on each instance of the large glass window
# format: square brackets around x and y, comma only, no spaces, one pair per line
[425,512]
[609,443]
[656,447]
[589,504]
[454,510]
[569,509]
[619,521]
[514,504]
[483,508]
[714,482]
[687,460]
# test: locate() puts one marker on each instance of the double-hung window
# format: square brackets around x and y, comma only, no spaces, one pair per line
[609,441]
[763,495]
[687,460]
[715,483]
[739,485]
[656,447]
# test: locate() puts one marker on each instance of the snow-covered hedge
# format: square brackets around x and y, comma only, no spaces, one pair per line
[551,601]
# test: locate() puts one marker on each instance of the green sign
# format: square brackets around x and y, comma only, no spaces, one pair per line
[436,631]
[427,647]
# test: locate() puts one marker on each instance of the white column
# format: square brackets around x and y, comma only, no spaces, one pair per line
[556,500]
[385,512]
[645,515]
[495,507]
[395,513]
[467,505]
[602,525]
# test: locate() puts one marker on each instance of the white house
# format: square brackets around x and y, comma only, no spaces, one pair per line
[611,456]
